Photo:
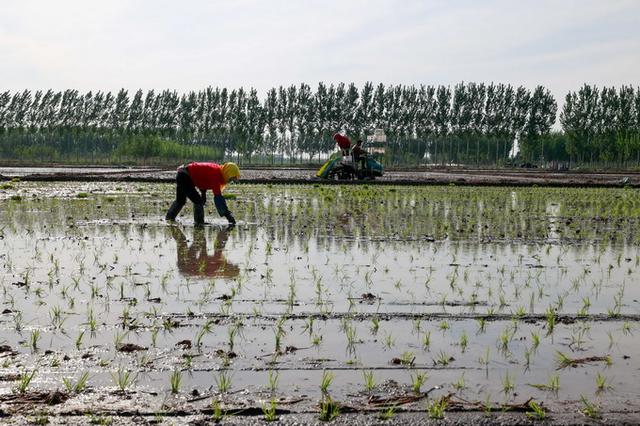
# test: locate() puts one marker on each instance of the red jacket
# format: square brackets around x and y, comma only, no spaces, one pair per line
[207,176]
[342,141]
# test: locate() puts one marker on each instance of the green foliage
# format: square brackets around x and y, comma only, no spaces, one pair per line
[270,411]
[123,379]
[223,381]
[329,409]
[175,380]
[436,408]
[537,412]
[25,380]
[589,408]
[76,387]
[471,123]
[147,147]
[325,382]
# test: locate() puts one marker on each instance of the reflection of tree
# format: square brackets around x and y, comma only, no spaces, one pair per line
[193,260]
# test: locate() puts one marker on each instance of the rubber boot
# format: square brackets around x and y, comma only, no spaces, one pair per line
[198,214]
[174,210]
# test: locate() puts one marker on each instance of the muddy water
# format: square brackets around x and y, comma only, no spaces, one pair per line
[477,288]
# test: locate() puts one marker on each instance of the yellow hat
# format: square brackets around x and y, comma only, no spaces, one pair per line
[229,171]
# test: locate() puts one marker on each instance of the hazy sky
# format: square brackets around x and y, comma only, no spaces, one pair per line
[185,45]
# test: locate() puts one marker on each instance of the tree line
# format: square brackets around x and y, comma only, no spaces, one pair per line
[468,123]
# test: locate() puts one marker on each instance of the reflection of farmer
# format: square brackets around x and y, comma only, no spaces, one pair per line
[194,261]
[203,176]
[343,142]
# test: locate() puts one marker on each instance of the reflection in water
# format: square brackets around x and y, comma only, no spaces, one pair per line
[195,261]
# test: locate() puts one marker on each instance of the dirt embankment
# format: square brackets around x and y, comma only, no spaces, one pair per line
[439,176]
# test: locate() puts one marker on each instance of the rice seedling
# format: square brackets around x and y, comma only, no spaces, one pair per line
[223,381]
[308,326]
[25,380]
[426,340]
[389,341]
[216,409]
[443,359]
[586,304]
[459,384]
[589,408]
[507,383]
[417,325]
[270,411]
[387,413]
[504,339]
[79,340]
[123,379]
[325,382]
[57,317]
[33,339]
[464,340]
[550,317]
[552,385]
[187,361]
[79,385]
[482,325]
[375,325]
[273,380]
[417,380]
[537,412]
[369,382]
[602,382]
[535,340]
[329,409]
[407,358]
[351,334]
[436,408]
[231,337]
[175,380]
[154,336]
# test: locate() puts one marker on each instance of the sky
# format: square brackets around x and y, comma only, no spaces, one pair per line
[192,44]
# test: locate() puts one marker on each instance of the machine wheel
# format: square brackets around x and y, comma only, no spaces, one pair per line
[341,173]
[346,174]
[334,174]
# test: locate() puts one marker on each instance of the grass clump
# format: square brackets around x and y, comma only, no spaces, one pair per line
[25,380]
[436,408]
[270,411]
[325,382]
[537,412]
[589,408]
[329,409]
[175,380]
[76,387]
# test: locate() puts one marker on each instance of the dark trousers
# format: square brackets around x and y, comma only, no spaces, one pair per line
[185,189]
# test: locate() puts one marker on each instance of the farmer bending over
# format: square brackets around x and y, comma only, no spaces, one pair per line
[203,176]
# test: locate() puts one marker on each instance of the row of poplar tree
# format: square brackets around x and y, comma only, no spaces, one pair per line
[469,123]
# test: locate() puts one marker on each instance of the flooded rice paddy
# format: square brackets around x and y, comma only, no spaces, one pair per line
[378,298]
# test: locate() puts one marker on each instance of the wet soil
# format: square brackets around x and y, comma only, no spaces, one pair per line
[417,176]
[477,289]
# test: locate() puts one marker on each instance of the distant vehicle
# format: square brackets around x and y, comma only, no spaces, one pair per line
[344,168]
